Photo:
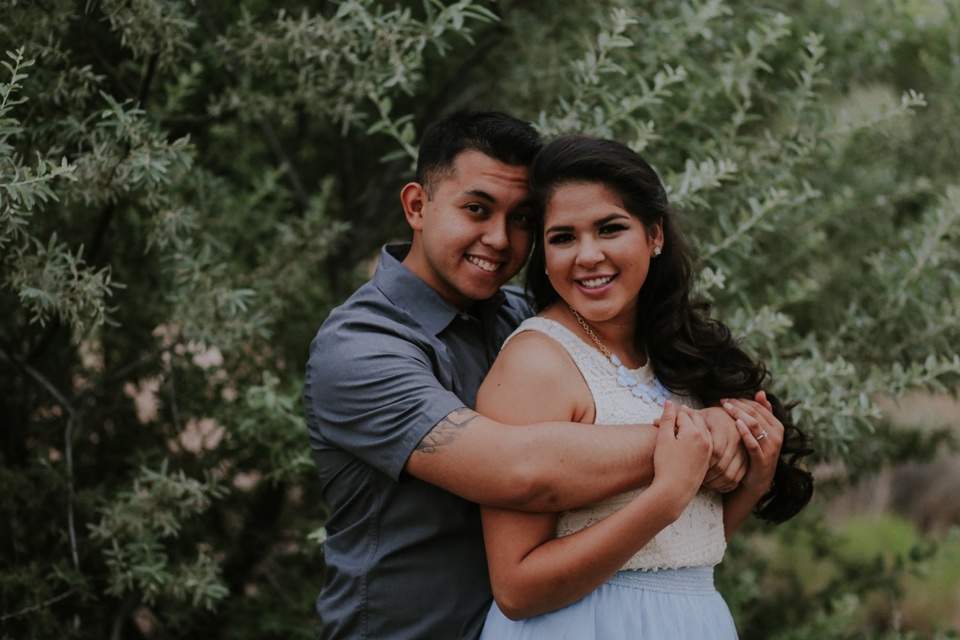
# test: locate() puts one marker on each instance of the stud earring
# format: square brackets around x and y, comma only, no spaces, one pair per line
[657,251]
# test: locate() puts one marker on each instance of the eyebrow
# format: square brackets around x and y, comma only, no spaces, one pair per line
[480,193]
[598,223]
[483,195]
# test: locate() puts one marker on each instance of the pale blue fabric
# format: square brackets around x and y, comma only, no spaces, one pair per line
[669,604]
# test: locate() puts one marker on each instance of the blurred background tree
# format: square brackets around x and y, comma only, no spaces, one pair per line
[187,189]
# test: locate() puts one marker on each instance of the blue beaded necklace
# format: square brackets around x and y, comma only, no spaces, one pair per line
[652,391]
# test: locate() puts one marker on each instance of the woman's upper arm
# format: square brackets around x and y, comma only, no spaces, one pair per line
[534,380]
[530,382]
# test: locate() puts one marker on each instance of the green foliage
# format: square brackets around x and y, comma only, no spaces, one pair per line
[187,189]
[272,419]
[133,528]
[873,577]
[53,281]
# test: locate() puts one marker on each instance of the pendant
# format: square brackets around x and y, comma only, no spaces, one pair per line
[652,392]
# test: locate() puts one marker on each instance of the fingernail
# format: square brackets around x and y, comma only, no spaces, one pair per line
[667,405]
[727,405]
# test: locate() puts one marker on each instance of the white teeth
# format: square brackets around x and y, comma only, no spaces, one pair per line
[483,264]
[596,282]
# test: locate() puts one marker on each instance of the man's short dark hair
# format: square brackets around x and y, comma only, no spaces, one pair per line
[493,133]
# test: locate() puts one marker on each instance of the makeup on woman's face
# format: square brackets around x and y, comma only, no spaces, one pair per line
[597,253]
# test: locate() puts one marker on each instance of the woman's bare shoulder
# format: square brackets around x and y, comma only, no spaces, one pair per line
[544,349]
[536,377]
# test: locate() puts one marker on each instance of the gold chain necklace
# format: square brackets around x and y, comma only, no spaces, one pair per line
[651,391]
[586,327]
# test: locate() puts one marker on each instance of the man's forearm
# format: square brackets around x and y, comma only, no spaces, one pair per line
[567,465]
[548,466]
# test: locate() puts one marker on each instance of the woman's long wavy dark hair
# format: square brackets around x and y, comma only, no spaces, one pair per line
[689,352]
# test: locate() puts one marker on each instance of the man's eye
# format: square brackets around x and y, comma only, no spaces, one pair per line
[525,219]
[476,208]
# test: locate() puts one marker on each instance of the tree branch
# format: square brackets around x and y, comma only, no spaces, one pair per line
[72,418]
[147,79]
[175,413]
[37,607]
[446,98]
[269,134]
[280,155]
[120,619]
[68,447]
[40,378]
[121,372]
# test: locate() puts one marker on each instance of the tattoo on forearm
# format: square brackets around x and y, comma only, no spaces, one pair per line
[447,430]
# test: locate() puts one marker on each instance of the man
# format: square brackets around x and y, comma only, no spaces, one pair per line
[390,386]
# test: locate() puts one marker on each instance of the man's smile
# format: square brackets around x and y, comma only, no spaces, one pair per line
[483,263]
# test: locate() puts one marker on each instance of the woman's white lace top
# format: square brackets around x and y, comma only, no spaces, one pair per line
[696,537]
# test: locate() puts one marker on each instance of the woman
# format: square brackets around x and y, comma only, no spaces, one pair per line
[618,340]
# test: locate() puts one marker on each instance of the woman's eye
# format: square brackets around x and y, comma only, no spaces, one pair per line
[612,228]
[560,238]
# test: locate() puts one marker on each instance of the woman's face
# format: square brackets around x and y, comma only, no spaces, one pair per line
[597,253]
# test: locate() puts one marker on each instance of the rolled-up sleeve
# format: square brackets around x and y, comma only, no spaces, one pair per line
[373,389]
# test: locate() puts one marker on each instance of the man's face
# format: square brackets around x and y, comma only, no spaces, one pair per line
[474,233]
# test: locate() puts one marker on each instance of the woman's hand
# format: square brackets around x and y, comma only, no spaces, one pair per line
[684,448]
[729,461]
[762,435]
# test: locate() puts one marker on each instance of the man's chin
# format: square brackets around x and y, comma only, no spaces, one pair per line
[484,288]
[483,293]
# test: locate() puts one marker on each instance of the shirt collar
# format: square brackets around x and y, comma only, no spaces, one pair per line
[408,292]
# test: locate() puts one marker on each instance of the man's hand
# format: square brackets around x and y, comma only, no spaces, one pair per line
[730,460]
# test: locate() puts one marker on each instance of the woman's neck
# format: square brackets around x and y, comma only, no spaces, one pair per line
[616,334]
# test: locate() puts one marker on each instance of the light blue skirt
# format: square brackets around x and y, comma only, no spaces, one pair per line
[669,604]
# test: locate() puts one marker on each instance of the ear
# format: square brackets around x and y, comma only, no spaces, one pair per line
[655,235]
[413,197]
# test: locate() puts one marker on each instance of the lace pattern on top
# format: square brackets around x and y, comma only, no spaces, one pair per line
[696,537]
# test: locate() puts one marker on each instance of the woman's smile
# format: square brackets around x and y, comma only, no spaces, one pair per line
[597,253]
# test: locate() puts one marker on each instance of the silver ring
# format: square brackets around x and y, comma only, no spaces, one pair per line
[761,436]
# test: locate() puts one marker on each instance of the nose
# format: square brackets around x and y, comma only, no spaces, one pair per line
[495,233]
[589,253]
